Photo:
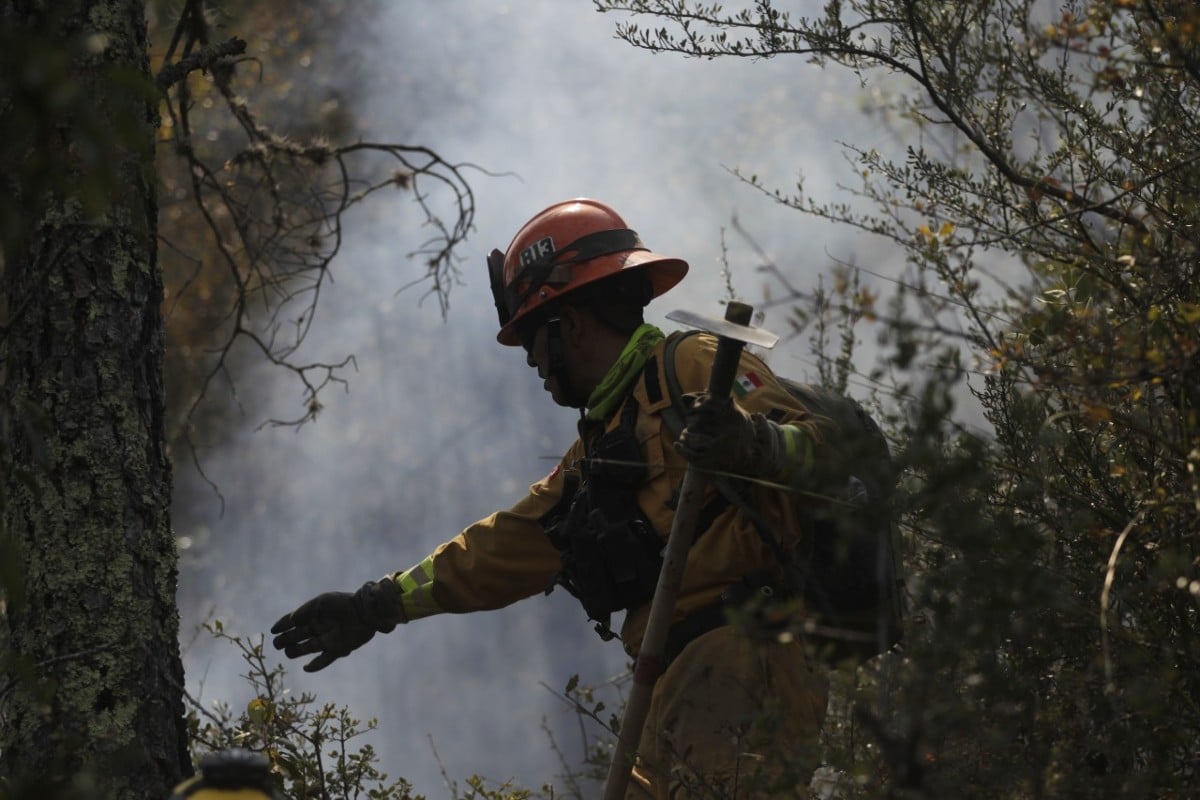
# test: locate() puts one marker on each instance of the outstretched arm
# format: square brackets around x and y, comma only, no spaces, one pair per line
[493,563]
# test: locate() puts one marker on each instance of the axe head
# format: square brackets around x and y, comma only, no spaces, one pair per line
[725,328]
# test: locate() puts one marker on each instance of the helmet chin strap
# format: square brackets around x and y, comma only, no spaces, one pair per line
[556,354]
[555,351]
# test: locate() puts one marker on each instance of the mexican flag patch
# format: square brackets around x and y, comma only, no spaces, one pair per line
[745,384]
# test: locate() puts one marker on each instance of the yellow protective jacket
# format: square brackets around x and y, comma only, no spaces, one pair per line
[507,556]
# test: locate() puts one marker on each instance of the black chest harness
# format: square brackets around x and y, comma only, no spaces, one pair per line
[611,554]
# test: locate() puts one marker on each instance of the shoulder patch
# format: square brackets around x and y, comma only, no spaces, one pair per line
[747,383]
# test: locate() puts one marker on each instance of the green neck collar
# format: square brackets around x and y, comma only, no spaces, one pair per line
[607,396]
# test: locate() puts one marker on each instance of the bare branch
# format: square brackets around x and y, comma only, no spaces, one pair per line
[202,59]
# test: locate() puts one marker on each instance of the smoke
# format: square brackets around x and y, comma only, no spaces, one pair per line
[440,425]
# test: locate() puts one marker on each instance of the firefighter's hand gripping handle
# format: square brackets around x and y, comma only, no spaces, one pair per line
[649,661]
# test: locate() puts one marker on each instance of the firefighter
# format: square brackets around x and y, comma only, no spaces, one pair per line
[737,708]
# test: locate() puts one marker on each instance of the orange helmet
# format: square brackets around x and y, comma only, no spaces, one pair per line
[566,246]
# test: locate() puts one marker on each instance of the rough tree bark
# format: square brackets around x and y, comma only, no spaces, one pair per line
[95,680]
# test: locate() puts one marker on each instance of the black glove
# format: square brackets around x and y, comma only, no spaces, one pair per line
[721,436]
[335,624]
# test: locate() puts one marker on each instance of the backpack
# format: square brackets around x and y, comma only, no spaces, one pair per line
[848,578]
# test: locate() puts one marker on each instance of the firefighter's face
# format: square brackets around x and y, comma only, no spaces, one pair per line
[536,341]
[537,355]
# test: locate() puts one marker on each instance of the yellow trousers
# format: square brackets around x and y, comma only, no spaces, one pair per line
[732,718]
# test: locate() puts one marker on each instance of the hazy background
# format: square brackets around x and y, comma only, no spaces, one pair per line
[441,425]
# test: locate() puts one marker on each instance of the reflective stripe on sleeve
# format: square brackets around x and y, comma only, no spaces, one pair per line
[798,454]
[416,586]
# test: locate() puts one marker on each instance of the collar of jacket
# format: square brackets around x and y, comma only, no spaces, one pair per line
[607,395]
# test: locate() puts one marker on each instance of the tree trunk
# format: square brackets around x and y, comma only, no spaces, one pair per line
[95,684]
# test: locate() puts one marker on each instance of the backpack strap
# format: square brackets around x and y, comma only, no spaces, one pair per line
[673,415]
[674,418]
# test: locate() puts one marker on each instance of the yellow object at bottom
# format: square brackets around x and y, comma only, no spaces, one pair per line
[194,789]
